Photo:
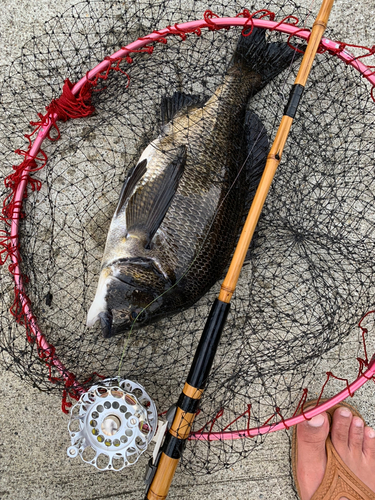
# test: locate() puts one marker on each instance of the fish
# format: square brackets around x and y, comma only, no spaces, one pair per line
[182,206]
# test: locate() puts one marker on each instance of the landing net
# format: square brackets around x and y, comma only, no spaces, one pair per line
[292,332]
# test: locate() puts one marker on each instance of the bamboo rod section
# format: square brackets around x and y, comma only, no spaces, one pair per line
[273,160]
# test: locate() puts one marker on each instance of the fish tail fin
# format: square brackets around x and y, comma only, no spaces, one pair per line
[268,59]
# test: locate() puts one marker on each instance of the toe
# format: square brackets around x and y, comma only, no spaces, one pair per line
[355,444]
[369,443]
[311,454]
[356,435]
[342,419]
[314,431]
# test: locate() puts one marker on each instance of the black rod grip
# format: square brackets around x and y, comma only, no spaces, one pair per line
[294,100]
[208,344]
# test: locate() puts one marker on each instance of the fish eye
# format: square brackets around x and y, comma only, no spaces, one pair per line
[138,315]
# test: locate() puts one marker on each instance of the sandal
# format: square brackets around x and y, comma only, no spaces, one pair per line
[338,480]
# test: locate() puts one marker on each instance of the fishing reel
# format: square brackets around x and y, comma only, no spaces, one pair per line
[112,424]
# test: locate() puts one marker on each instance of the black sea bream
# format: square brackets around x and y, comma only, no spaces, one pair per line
[181,207]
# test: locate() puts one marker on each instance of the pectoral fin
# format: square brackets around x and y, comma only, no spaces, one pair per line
[147,207]
[130,182]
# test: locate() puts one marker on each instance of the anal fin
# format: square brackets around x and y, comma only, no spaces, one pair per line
[257,146]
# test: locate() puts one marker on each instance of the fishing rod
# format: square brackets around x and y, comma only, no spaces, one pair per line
[160,475]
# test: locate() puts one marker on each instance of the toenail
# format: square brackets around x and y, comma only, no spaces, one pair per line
[317,421]
[358,422]
[371,434]
[344,412]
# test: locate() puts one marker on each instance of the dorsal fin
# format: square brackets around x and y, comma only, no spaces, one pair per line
[130,182]
[170,106]
[148,205]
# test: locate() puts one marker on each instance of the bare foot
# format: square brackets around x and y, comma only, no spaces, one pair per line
[354,443]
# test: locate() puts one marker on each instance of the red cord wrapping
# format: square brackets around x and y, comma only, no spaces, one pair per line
[363,365]
[66,107]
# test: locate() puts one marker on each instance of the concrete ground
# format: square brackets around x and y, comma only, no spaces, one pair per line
[34,437]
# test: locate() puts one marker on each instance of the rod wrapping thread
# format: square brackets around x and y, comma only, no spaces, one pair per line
[187,404]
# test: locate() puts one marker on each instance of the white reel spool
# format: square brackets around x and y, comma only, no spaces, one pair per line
[112,424]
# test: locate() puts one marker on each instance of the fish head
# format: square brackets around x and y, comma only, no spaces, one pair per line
[128,296]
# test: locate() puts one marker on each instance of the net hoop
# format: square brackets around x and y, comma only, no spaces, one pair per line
[287,423]
[212,23]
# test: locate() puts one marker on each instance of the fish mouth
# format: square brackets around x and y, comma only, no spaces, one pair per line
[109,329]
[127,286]
[106,318]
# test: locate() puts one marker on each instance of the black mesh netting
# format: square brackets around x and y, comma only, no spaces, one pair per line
[310,272]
